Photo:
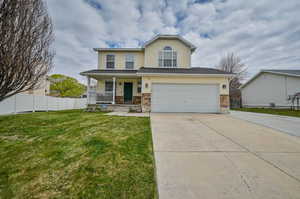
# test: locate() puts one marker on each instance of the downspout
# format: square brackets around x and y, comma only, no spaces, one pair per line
[114,89]
[88,90]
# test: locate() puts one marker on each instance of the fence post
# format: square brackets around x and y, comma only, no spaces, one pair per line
[33,103]
[47,104]
[57,102]
[15,104]
[88,90]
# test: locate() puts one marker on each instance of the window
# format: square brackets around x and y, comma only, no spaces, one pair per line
[110,61]
[129,61]
[167,48]
[139,87]
[167,57]
[108,86]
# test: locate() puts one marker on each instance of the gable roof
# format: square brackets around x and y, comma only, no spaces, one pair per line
[285,72]
[184,41]
[160,36]
[291,73]
[119,49]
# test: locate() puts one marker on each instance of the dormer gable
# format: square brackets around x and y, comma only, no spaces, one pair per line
[169,51]
[171,37]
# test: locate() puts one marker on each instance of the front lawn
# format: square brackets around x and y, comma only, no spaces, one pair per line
[74,154]
[286,112]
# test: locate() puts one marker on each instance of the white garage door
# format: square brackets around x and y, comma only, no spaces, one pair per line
[185,98]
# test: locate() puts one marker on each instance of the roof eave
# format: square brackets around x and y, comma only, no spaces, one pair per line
[184,74]
[266,71]
[281,73]
[192,46]
[186,42]
[118,49]
[108,74]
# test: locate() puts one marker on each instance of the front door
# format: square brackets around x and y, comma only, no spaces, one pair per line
[127,92]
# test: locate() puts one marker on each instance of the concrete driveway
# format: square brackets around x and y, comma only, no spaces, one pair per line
[218,156]
[290,125]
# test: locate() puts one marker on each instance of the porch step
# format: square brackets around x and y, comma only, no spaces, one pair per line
[120,109]
[124,108]
[115,107]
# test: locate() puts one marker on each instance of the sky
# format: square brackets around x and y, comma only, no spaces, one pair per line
[265,34]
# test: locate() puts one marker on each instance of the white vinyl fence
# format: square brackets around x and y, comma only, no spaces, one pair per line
[26,102]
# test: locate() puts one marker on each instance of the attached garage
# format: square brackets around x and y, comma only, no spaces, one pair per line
[173,97]
[191,90]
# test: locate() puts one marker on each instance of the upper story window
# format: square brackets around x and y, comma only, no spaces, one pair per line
[167,57]
[129,61]
[110,61]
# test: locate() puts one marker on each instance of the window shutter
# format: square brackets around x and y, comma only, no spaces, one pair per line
[160,59]
[174,59]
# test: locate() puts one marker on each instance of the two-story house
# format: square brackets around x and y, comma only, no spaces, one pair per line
[159,77]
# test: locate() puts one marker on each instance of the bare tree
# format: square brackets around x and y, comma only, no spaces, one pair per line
[26,35]
[232,63]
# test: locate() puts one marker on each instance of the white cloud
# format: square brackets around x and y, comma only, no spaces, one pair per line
[265,33]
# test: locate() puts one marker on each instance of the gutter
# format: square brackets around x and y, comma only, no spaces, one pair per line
[118,49]
[185,74]
[108,74]
[266,71]
[157,74]
[280,73]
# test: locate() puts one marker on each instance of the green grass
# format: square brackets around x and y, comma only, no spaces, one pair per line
[286,112]
[75,154]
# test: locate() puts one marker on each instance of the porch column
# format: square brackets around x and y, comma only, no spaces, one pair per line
[114,90]
[88,89]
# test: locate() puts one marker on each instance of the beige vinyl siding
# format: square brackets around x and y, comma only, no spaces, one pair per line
[120,59]
[152,52]
[186,80]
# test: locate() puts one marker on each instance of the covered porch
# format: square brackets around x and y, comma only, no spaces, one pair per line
[114,88]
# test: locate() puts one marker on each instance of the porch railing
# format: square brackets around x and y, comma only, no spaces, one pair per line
[96,97]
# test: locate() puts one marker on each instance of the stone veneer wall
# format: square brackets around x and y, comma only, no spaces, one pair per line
[224,103]
[137,99]
[119,99]
[146,102]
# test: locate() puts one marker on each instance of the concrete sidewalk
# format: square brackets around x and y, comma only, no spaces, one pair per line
[217,156]
[126,114]
[290,125]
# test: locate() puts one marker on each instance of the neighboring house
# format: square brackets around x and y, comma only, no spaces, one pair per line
[235,97]
[42,89]
[158,76]
[270,87]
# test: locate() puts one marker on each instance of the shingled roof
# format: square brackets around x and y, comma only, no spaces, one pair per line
[292,73]
[192,70]
[287,72]
[159,36]
[107,71]
[148,70]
